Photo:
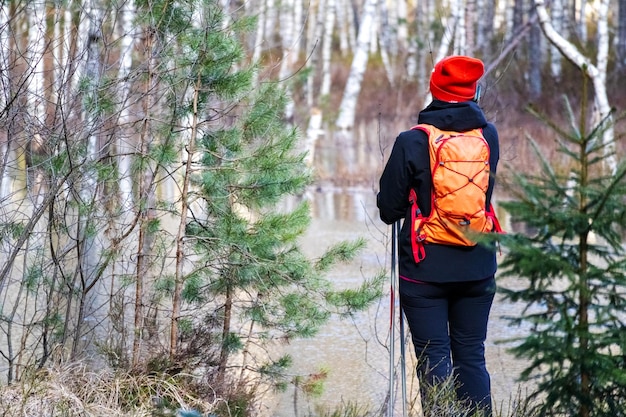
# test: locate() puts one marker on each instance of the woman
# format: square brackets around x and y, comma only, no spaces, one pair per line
[446,297]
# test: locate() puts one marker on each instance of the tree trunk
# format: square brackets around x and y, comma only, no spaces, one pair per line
[535,59]
[402,30]
[621,36]
[603,39]
[347,109]
[258,40]
[470,27]
[146,191]
[88,247]
[388,42]
[180,237]
[557,22]
[515,20]
[223,359]
[580,17]
[327,48]
[485,29]
[345,27]
[288,41]
[316,31]
[125,148]
[459,46]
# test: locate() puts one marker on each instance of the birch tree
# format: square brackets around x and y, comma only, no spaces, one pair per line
[327,49]
[345,27]
[597,73]
[557,12]
[126,32]
[347,109]
[387,38]
[580,19]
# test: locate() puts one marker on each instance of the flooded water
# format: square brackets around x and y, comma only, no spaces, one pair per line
[355,351]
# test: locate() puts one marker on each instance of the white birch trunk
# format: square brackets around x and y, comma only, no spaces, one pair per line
[257,47]
[460,34]
[327,48]
[313,131]
[347,109]
[346,27]
[4,54]
[557,23]
[270,20]
[124,144]
[400,23]
[425,57]
[388,18]
[603,39]
[225,5]
[450,23]
[5,92]
[581,20]
[411,59]
[388,43]
[342,26]
[501,17]
[34,55]
[287,35]
[316,30]
[298,29]
[374,30]
[592,71]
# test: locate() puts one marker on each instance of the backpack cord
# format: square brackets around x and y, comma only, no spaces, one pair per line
[417,240]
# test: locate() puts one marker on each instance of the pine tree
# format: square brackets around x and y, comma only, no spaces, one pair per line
[250,284]
[571,264]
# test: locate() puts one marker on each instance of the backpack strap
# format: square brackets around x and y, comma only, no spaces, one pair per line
[417,238]
[492,215]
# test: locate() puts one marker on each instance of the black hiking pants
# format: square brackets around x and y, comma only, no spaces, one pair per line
[448,324]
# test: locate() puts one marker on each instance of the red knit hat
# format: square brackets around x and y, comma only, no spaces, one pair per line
[454,78]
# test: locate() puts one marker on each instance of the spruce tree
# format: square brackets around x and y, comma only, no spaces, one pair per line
[571,278]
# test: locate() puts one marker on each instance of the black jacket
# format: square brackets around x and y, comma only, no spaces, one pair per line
[409,167]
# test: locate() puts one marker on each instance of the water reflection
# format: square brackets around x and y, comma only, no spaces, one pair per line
[342,204]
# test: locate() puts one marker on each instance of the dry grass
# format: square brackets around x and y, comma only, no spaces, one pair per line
[75,391]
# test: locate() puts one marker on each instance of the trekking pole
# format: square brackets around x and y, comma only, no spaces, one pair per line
[392,327]
[402,347]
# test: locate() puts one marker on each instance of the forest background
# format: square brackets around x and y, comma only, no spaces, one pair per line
[145,146]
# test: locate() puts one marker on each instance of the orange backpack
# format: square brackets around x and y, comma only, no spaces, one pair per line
[459,164]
